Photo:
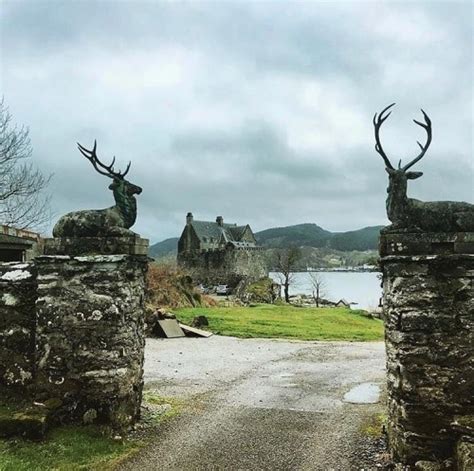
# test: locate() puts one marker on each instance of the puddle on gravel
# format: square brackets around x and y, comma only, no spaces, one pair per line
[365,393]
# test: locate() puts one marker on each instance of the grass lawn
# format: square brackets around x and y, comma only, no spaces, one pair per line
[284,321]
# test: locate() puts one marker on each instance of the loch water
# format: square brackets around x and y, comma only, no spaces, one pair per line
[362,288]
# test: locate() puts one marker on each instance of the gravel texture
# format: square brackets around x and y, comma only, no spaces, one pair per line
[262,404]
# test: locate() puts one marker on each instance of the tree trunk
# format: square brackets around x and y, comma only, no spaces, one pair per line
[287,289]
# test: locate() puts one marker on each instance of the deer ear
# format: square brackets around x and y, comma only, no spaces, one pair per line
[413,175]
[389,170]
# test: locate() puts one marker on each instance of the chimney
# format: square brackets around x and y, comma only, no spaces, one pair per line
[220,221]
[189,218]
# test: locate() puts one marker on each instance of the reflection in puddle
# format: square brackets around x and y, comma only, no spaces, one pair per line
[366,393]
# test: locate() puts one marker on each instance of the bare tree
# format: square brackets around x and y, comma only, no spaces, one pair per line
[285,262]
[22,200]
[318,286]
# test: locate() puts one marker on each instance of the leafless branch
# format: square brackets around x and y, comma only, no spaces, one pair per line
[23,203]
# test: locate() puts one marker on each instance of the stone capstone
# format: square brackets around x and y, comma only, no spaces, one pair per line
[73,246]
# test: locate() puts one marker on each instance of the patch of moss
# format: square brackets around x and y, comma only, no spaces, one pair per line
[374,425]
[171,406]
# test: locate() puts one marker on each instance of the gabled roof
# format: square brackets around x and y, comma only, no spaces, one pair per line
[210,229]
[223,234]
[237,231]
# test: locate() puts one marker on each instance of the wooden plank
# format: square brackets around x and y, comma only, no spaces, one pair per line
[193,330]
[171,329]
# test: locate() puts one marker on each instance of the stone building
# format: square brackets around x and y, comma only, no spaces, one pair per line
[220,253]
[18,245]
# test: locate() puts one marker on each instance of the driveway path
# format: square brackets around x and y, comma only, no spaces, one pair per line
[260,404]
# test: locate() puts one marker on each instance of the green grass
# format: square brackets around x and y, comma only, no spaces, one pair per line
[71,448]
[284,321]
[65,448]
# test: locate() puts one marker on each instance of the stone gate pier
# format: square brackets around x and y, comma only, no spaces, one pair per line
[90,327]
[429,313]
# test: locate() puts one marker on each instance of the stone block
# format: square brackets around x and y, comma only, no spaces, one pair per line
[74,246]
[465,454]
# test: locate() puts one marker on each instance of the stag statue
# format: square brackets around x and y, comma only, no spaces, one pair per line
[408,214]
[113,221]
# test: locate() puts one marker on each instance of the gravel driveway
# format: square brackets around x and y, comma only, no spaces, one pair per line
[260,404]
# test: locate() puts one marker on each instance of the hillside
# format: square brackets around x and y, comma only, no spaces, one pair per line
[312,235]
[164,248]
[300,235]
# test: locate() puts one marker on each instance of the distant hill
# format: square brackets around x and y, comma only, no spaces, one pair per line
[300,235]
[312,235]
[164,248]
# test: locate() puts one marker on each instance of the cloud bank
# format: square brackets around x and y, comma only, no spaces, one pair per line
[257,111]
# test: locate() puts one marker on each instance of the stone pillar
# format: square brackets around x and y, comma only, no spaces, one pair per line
[429,313]
[90,336]
[17,324]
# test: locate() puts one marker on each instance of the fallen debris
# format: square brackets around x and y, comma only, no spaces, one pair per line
[194,332]
[170,328]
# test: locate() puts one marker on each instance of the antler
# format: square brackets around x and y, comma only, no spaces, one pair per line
[378,121]
[91,156]
[427,127]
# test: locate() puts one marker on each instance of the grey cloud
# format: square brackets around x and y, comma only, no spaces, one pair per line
[260,112]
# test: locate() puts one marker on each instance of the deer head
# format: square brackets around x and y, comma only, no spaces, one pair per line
[398,177]
[119,185]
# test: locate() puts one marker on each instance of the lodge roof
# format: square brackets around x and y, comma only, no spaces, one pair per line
[220,232]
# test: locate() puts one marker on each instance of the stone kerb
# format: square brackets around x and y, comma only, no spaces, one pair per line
[90,337]
[17,324]
[429,311]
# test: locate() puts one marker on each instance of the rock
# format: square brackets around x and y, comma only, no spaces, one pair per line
[428,466]
[200,321]
[465,454]
[53,403]
[89,416]
[27,422]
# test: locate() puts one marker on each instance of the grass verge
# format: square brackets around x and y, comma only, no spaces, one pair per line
[71,448]
[286,321]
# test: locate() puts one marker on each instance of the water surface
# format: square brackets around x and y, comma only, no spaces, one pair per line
[362,288]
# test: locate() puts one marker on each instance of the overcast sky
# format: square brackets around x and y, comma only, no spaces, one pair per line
[257,111]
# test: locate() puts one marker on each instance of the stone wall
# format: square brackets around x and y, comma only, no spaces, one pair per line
[90,336]
[72,329]
[429,314]
[228,266]
[17,324]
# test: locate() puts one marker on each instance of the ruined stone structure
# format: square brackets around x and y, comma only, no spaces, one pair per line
[220,253]
[428,284]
